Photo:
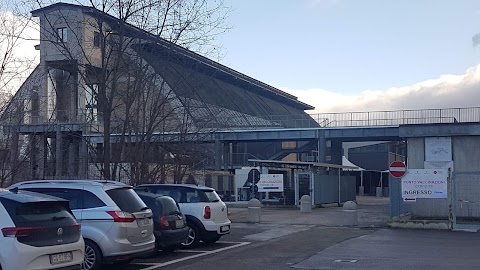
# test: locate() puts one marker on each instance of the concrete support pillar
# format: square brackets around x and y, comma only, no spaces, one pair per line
[58,152]
[42,156]
[72,157]
[361,191]
[82,158]
[336,152]
[230,154]
[361,188]
[321,147]
[14,155]
[218,155]
[73,98]
[34,156]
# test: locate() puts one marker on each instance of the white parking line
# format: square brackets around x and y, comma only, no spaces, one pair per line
[204,253]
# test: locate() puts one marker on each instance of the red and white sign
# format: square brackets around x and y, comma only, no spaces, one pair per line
[398,169]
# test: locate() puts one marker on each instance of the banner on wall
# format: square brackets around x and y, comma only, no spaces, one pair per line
[438,149]
[425,183]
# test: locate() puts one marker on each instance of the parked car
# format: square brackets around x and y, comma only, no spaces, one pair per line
[206,213]
[170,225]
[116,224]
[38,232]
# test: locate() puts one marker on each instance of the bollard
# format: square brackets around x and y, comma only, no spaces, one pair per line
[254,211]
[350,215]
[305,204]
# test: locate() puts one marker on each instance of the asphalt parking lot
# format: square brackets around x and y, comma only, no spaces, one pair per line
[163,259]
[276,224]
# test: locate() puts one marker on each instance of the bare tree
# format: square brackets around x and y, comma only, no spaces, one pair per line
[122,95]
[15,65]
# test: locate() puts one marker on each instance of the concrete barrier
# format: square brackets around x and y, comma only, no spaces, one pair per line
[306,204]
[254,211]
[350,215]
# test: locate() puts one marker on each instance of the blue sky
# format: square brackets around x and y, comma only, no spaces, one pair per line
[351,46]
[357,55]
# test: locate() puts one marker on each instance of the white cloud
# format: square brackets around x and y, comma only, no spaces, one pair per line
[447,91]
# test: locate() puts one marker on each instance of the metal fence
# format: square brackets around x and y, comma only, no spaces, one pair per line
[466,200]
[358,119]
[402,117]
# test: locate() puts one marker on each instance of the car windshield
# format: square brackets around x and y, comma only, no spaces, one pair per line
[127,200]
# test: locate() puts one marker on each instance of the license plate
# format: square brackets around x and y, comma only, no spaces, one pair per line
[143,222]
[225,228]
[179,223]
[61,258]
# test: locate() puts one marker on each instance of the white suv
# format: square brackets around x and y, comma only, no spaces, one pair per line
[38,232]
[116,224]
[206,213]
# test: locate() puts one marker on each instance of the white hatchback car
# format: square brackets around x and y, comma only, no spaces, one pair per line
[206,213]
[116,224]
[38,232]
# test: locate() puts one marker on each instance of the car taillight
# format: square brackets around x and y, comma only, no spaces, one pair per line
[77,226]
[21,231]
[120,216]
[164,223]
[207,212]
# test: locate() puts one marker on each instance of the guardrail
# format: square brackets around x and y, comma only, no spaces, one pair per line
[347,119]
[401,117]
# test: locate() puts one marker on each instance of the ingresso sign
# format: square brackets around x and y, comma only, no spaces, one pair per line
[270,183]
[425,183]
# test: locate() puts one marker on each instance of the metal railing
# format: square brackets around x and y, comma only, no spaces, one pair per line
[401,117]
[346,119]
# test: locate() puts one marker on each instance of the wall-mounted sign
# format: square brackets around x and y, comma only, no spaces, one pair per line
[425,183]
[270,183]
[438,149]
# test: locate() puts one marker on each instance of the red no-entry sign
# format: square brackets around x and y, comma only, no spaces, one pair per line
[398,169]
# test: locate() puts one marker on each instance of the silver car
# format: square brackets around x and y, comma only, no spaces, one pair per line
[116,224]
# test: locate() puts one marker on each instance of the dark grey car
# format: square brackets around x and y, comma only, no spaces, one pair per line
[169,223]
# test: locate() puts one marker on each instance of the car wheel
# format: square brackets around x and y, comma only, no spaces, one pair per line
[93,256]
[211,239]
[193,237]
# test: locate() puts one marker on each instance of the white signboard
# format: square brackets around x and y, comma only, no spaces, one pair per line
[241,176]
[426,183]
[438,149]
[270,183]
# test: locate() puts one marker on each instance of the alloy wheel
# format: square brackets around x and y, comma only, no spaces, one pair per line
[89,258]
[190,238]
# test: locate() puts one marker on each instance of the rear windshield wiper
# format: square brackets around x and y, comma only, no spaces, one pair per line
[58,218]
